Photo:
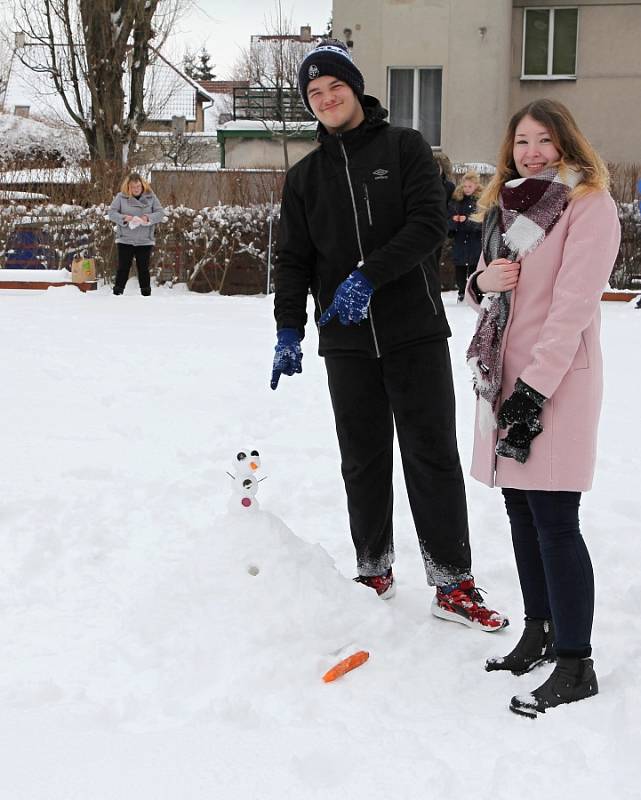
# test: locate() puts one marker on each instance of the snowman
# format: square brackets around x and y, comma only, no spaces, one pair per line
[246,465]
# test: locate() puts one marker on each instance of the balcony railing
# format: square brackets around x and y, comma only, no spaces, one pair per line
[272,104]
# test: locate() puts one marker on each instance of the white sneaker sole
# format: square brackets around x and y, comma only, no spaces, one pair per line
[389,593]
[452,616]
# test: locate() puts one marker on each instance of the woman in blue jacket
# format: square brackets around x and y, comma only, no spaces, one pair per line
[136,210]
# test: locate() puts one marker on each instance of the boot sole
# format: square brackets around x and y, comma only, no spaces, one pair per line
[538,663]
[532,713]
[524,712]
[452,616]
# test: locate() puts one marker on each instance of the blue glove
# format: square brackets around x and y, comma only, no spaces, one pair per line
[288,355]
[351,300]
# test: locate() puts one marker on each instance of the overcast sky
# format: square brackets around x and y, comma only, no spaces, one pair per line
[225,26]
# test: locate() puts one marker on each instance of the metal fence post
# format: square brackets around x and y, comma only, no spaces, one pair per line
[269,247]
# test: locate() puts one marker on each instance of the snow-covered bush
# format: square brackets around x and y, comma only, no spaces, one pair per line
[628,263]
[223,248]
[227,247]
[624,180]
[60,231]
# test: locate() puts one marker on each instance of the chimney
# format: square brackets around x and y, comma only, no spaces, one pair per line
[306,33]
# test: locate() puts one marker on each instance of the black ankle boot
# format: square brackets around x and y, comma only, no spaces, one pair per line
[536,646]
[573,679]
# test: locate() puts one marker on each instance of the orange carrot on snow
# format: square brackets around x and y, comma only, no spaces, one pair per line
[347,664]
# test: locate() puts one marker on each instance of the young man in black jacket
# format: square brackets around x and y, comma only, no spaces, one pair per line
[361,219]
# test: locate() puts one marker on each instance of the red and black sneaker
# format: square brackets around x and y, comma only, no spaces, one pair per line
[463,603]
[384,584]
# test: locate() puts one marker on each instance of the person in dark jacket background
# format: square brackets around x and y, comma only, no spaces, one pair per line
[445,171]
[136,210]
[465,231]
[361,219]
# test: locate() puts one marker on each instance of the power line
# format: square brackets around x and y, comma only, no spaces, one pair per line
[202,11]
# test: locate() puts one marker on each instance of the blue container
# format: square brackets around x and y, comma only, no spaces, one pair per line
[28,247]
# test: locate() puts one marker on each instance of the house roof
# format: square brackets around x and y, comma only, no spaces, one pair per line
[169,92]
[195,84]
[223,87]
[312,39]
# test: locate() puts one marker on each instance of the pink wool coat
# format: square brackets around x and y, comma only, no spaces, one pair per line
[552,343]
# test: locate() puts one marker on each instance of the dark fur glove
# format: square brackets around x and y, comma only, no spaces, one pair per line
[521,412]
[518,440]
[523,405]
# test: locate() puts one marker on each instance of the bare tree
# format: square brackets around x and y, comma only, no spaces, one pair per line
[5,67]
[85,48]
[183,149]
[271,64]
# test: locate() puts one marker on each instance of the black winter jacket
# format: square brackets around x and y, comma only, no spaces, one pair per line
[371,194]
[466,248]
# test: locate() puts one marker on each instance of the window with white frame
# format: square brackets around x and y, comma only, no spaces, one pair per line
[415,100]
[549,42]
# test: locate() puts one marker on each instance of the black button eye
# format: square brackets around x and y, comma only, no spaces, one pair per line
[241,456]
[255,454]
[247,484]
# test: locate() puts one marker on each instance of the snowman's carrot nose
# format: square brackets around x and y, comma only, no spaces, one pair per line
[253,465]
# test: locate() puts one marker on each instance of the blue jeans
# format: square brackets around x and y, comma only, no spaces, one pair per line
[554,565]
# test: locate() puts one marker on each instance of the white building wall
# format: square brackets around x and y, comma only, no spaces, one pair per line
[469,39]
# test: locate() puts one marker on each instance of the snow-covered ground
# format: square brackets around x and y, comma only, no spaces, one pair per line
[142,659]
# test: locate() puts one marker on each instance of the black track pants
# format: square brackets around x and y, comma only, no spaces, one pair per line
[411,388]
[126,253]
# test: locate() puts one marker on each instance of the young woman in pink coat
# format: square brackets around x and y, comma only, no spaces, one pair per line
[550,239]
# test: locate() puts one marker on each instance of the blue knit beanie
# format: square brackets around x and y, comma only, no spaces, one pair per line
[330,57]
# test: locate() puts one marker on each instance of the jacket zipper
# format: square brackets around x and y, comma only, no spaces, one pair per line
[429,294]
[369,210]
[318,300]
[358,237]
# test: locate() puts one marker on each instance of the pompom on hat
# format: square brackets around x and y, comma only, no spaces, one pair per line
[330,57]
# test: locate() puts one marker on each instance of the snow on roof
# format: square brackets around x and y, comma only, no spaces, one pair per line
[21,137]
[188,135]
[70,174]
[169,92]
[205,166]
[261,125]
[213,166]
[193,83]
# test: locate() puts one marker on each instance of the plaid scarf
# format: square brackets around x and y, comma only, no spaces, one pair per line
[527,211]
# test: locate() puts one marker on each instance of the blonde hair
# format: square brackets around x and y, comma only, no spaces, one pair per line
[132,178]
[470,175]
[576,152]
